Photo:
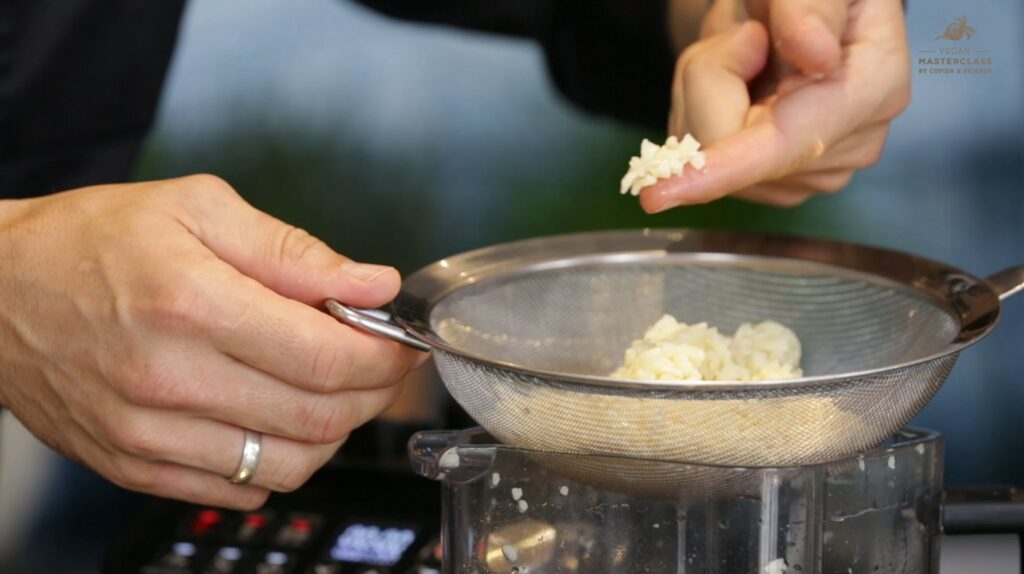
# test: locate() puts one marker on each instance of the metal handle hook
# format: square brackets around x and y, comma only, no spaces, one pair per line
[375,321]
[1007,282]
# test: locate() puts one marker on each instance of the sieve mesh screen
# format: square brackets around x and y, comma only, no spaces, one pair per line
[581,320]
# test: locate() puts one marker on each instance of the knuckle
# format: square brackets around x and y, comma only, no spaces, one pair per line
[254,499]
[868,157]
[694,63]
[204,193]
[175,303]
[394,392]
[876,154]
[294,472]
[329,367]
[681,62]
[330,420]
[694,68]
[240,315]
[130,474]
[136,437]
[839,182]
[297,245]
[898,101]
[148,384]
[119,471]
[203,185]
[794,200]
[401,366]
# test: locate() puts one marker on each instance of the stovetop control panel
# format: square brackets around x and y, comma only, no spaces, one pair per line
[345,521]
[212,541]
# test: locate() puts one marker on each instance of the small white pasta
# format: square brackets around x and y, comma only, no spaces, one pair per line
[657,162]
[674,351]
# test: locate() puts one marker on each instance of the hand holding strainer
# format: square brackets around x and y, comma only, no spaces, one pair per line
[524,335]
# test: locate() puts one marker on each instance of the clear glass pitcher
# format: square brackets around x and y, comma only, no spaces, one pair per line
[515,511]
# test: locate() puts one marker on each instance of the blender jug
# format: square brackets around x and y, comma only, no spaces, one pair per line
[516,511]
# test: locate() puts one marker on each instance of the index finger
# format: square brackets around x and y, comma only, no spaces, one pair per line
[751,155]
[780,135]
[295,342]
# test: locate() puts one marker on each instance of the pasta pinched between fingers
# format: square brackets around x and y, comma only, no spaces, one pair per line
[657,162]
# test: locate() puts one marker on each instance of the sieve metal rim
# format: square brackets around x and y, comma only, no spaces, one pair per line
[969,298]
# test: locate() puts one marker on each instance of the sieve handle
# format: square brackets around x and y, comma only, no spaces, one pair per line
[375,321]
[1007,282]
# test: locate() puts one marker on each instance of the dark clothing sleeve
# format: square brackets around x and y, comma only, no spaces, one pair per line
[79,84]
[80,79]
[613,58]
[609,57]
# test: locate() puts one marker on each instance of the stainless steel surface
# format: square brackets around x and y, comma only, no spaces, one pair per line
[525,334]
[374,321]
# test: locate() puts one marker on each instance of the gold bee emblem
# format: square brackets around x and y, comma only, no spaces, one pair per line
[957,30]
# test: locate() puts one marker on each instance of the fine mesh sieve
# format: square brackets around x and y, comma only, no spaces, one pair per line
[524,336]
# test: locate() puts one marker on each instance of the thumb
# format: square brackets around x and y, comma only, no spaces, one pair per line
[282,257]
[808,33]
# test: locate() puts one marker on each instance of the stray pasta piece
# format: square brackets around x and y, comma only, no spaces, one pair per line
[657,162]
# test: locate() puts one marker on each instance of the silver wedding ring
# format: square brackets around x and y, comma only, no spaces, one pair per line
[250,458]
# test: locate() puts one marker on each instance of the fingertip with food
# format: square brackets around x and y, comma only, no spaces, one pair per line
[656,163]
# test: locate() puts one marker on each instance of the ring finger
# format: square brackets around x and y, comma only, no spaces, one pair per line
[216,447]
[220,388]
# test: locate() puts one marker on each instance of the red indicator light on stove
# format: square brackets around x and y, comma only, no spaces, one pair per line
[208,516]
[255,520]
[301,525]
[204,521]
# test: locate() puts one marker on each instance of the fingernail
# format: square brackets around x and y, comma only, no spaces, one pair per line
[364,271]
